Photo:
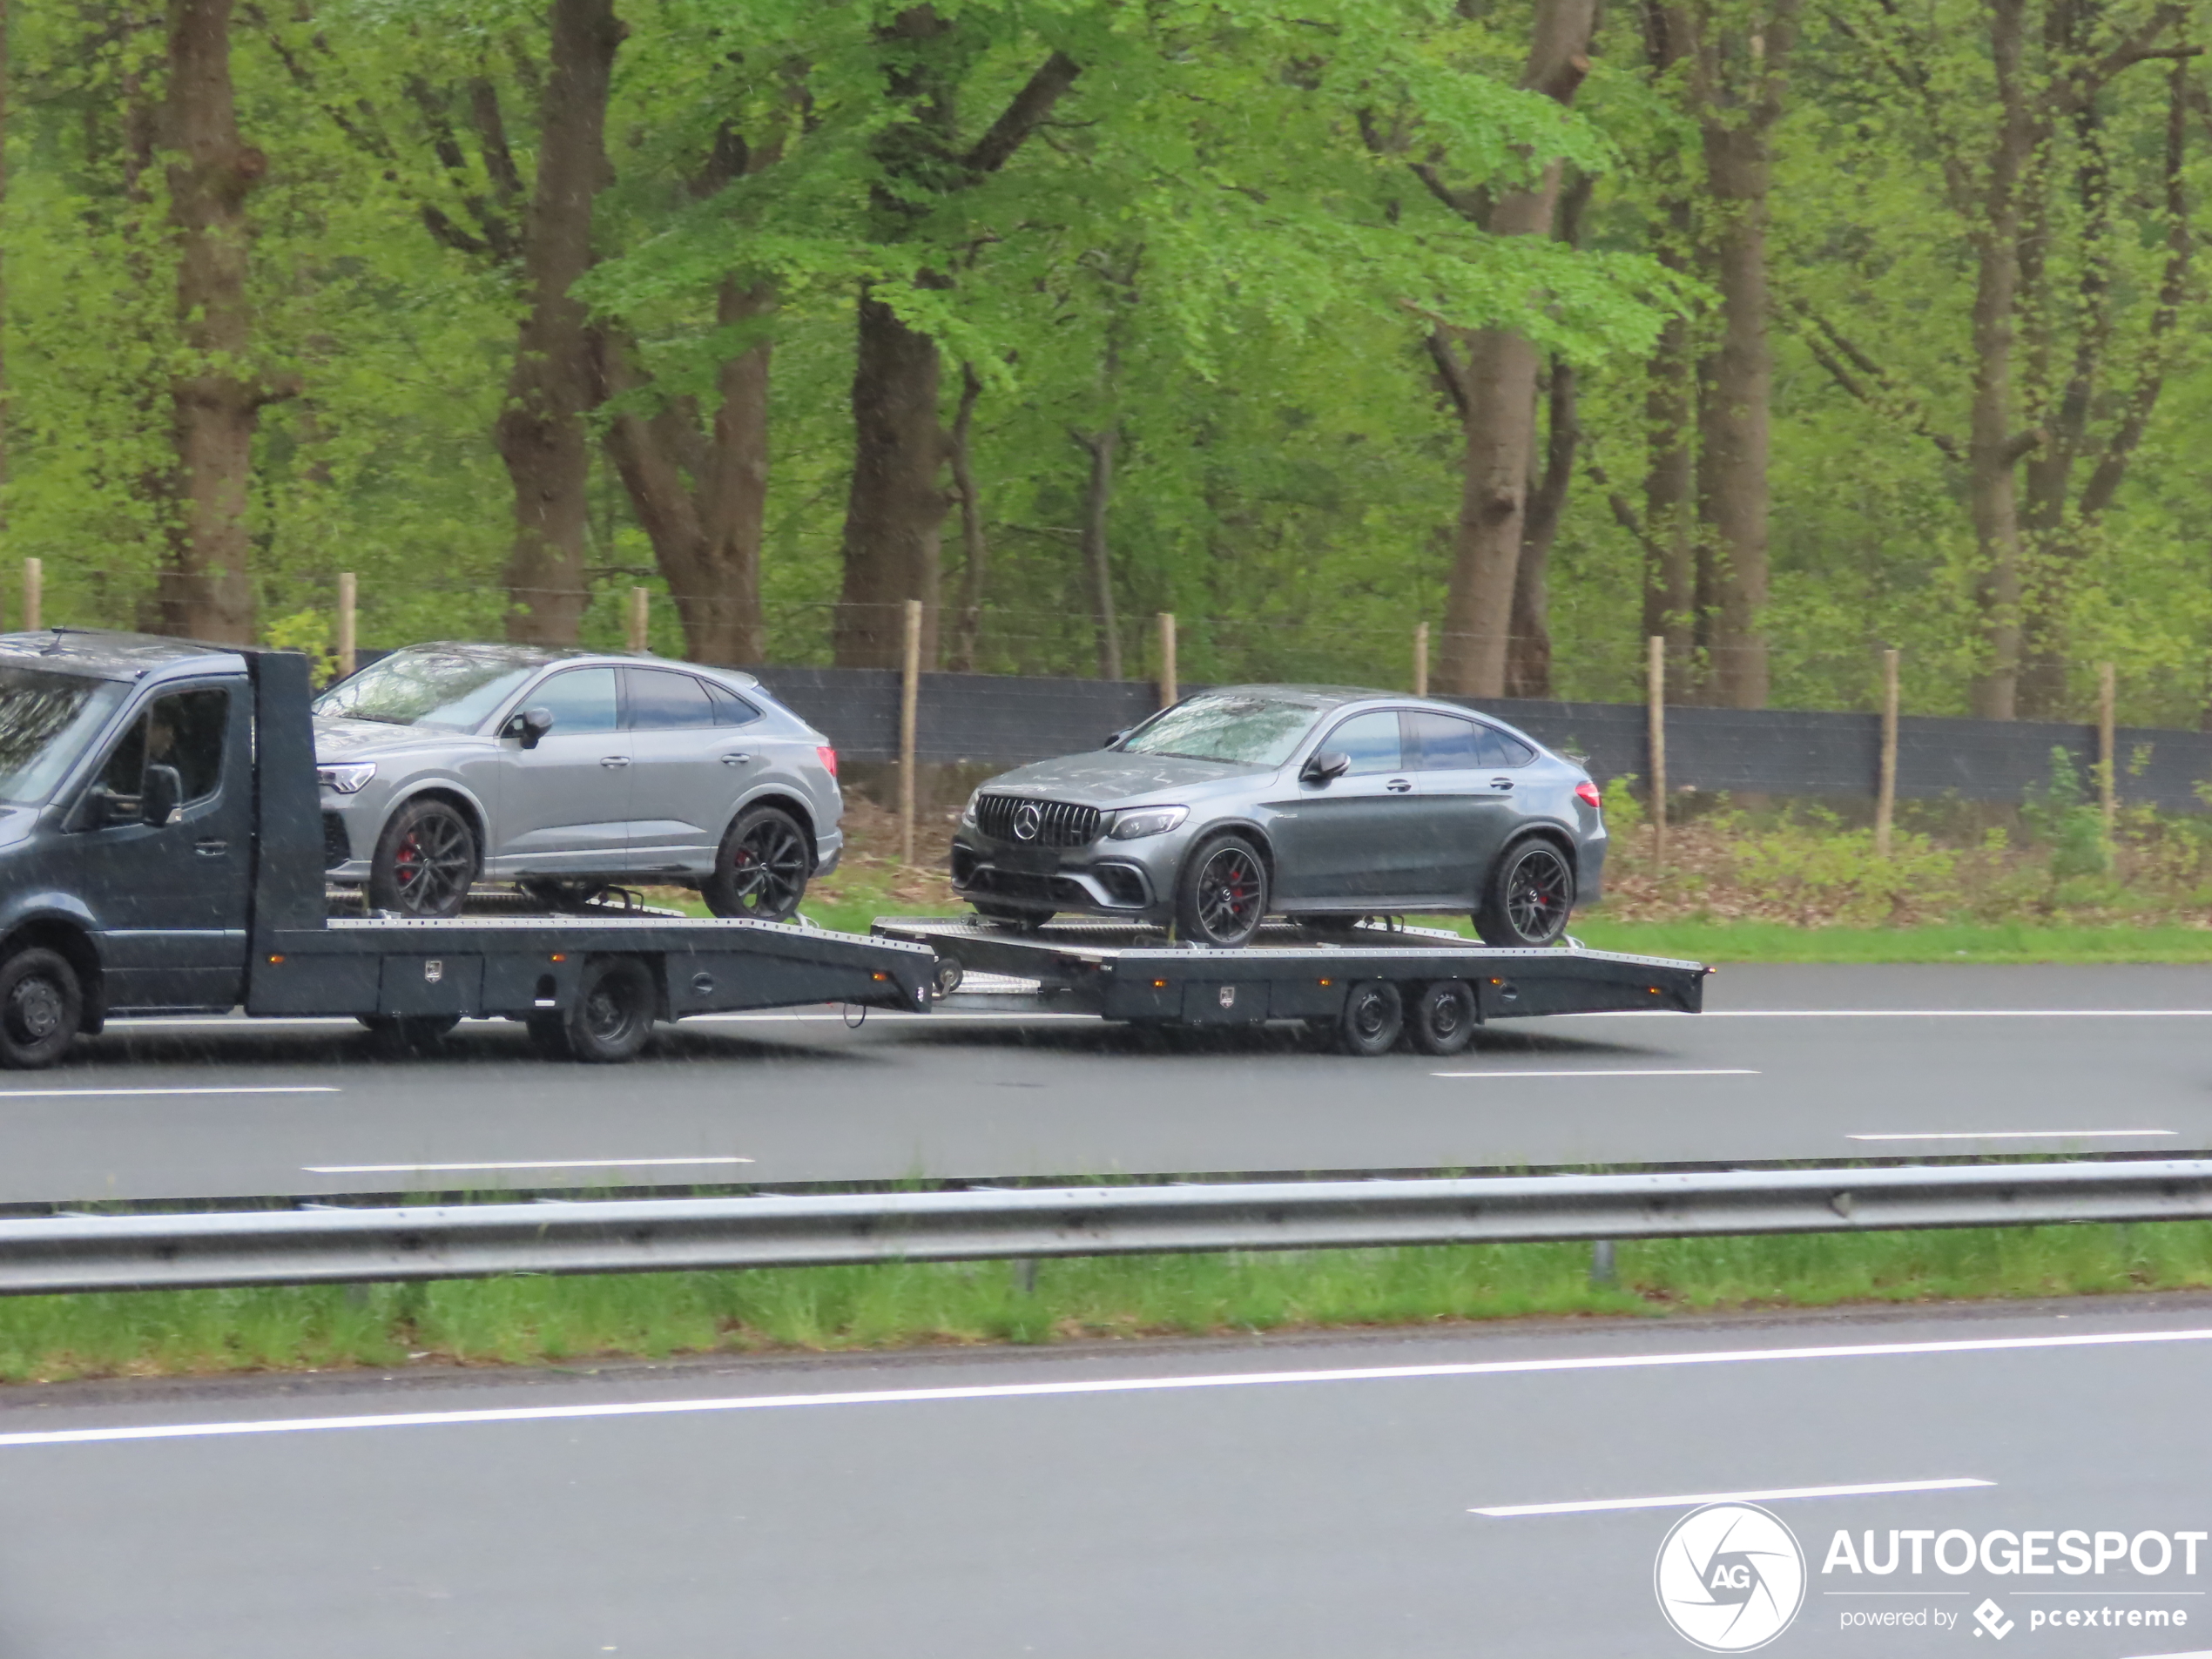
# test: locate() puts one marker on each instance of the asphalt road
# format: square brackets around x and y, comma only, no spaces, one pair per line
[1789,1062]
[1315,1496]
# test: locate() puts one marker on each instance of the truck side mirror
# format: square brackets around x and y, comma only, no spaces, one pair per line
[1325,765]
[158,796]
[530,725]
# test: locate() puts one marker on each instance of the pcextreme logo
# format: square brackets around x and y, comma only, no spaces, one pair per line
[1730,1577]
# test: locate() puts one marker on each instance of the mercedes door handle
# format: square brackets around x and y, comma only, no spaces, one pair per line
[1398,785]
[736,760]
[614,762]
[211,849]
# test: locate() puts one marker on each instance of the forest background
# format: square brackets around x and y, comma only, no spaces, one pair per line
[1789,330]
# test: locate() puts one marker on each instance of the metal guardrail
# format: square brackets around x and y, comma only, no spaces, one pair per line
[82,1252]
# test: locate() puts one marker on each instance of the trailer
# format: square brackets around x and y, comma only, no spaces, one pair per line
[1370,984]
[171,861]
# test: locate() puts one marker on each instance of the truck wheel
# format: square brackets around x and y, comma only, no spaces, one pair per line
[1373,1015]
[760,869]
[409,1033]
[1528,897]
[1221,894]
[41,1006]
[426,859]
[1443,1017]
[612,1015]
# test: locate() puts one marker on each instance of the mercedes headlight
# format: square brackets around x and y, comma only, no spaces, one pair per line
[968,813]
[1148,820]
[346,779]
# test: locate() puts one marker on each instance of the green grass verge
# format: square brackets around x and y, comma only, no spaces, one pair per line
[535,1320]
[1774,941]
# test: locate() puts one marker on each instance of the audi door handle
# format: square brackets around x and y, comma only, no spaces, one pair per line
[211,849]
[1398,786]
[1501,783]
[614,761]
[736,760]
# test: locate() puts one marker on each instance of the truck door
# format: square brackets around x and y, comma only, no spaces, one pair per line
[171,898]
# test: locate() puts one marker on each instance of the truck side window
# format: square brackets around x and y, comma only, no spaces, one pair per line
[185,731]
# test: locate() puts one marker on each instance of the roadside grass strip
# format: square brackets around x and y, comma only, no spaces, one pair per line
[545,1321]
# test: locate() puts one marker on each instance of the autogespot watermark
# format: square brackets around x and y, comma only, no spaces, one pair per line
[1731,1577]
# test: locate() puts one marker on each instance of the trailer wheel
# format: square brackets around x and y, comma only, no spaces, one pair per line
[612,1015]
[40,1005]
[1443,1017]
[1528,897]
[1373,1015]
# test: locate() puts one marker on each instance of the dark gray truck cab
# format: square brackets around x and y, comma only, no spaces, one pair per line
[162,851]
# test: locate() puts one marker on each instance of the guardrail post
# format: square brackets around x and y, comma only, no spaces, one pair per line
[349,596]
[909,705]
[1420,660]
[2108,747]
[641,616]
[34,584]
[1603,1269]
[1655,733]
[1170,692]
[1885,785]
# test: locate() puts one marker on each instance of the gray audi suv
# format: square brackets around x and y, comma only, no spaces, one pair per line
[1315,802]
[567,771]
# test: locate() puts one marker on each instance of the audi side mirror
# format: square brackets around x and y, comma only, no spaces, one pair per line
[158,796]
[1325,766]
[1112,737]
[529,725]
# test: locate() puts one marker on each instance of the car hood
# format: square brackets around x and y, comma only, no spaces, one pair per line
[1108,777]
[338,738]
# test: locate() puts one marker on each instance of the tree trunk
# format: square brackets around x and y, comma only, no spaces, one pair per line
[895,509]
[1500,373]
[206,592]
[541,431]
[5,66]
[1528,666]
[1099,566]
[1733,417]
[1670,409]
[976,551]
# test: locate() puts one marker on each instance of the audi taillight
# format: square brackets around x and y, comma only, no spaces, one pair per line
[1585,792]
[828,757]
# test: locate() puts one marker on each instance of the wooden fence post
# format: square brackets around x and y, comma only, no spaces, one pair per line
[1420,660]
[34,584]
[349,641]
[1169,692]
[1885,787]
[1655,738]
[909,703]
[2108,747]
[641,616]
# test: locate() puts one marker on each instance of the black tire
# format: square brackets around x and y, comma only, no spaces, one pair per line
[42,1005]
[1442,1021]
[426,860]
[1012,915]
[612,1017]
[1528,897]
[410,1032]
[1221,894]
[761,868]
[1374,1014]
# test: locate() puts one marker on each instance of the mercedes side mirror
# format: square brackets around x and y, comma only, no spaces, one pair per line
[1112,737]
[160,795]
[1325,766]
[529,725]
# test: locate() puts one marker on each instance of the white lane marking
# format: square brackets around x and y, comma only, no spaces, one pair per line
[1901,1013]
[105,1094]
[1670,1071]
[2018,1135]
[537,1163]
[1101,1385]
[1590,1505]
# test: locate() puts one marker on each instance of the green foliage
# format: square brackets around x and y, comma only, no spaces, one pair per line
[2062,814]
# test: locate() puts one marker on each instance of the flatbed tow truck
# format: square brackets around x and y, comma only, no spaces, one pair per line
[1368,984]
[162,852]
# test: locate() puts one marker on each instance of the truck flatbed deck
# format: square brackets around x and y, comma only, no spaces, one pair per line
[1372,982]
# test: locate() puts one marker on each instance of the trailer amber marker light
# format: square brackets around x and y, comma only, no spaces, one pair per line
[1159,985]
[276,959]
[880,976]
[558,956]
[1326,983]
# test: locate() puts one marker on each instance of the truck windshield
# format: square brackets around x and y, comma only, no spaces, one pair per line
[452,691]
[46,720]
[1246,730]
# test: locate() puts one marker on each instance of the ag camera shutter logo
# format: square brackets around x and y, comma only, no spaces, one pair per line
[1730,1577]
